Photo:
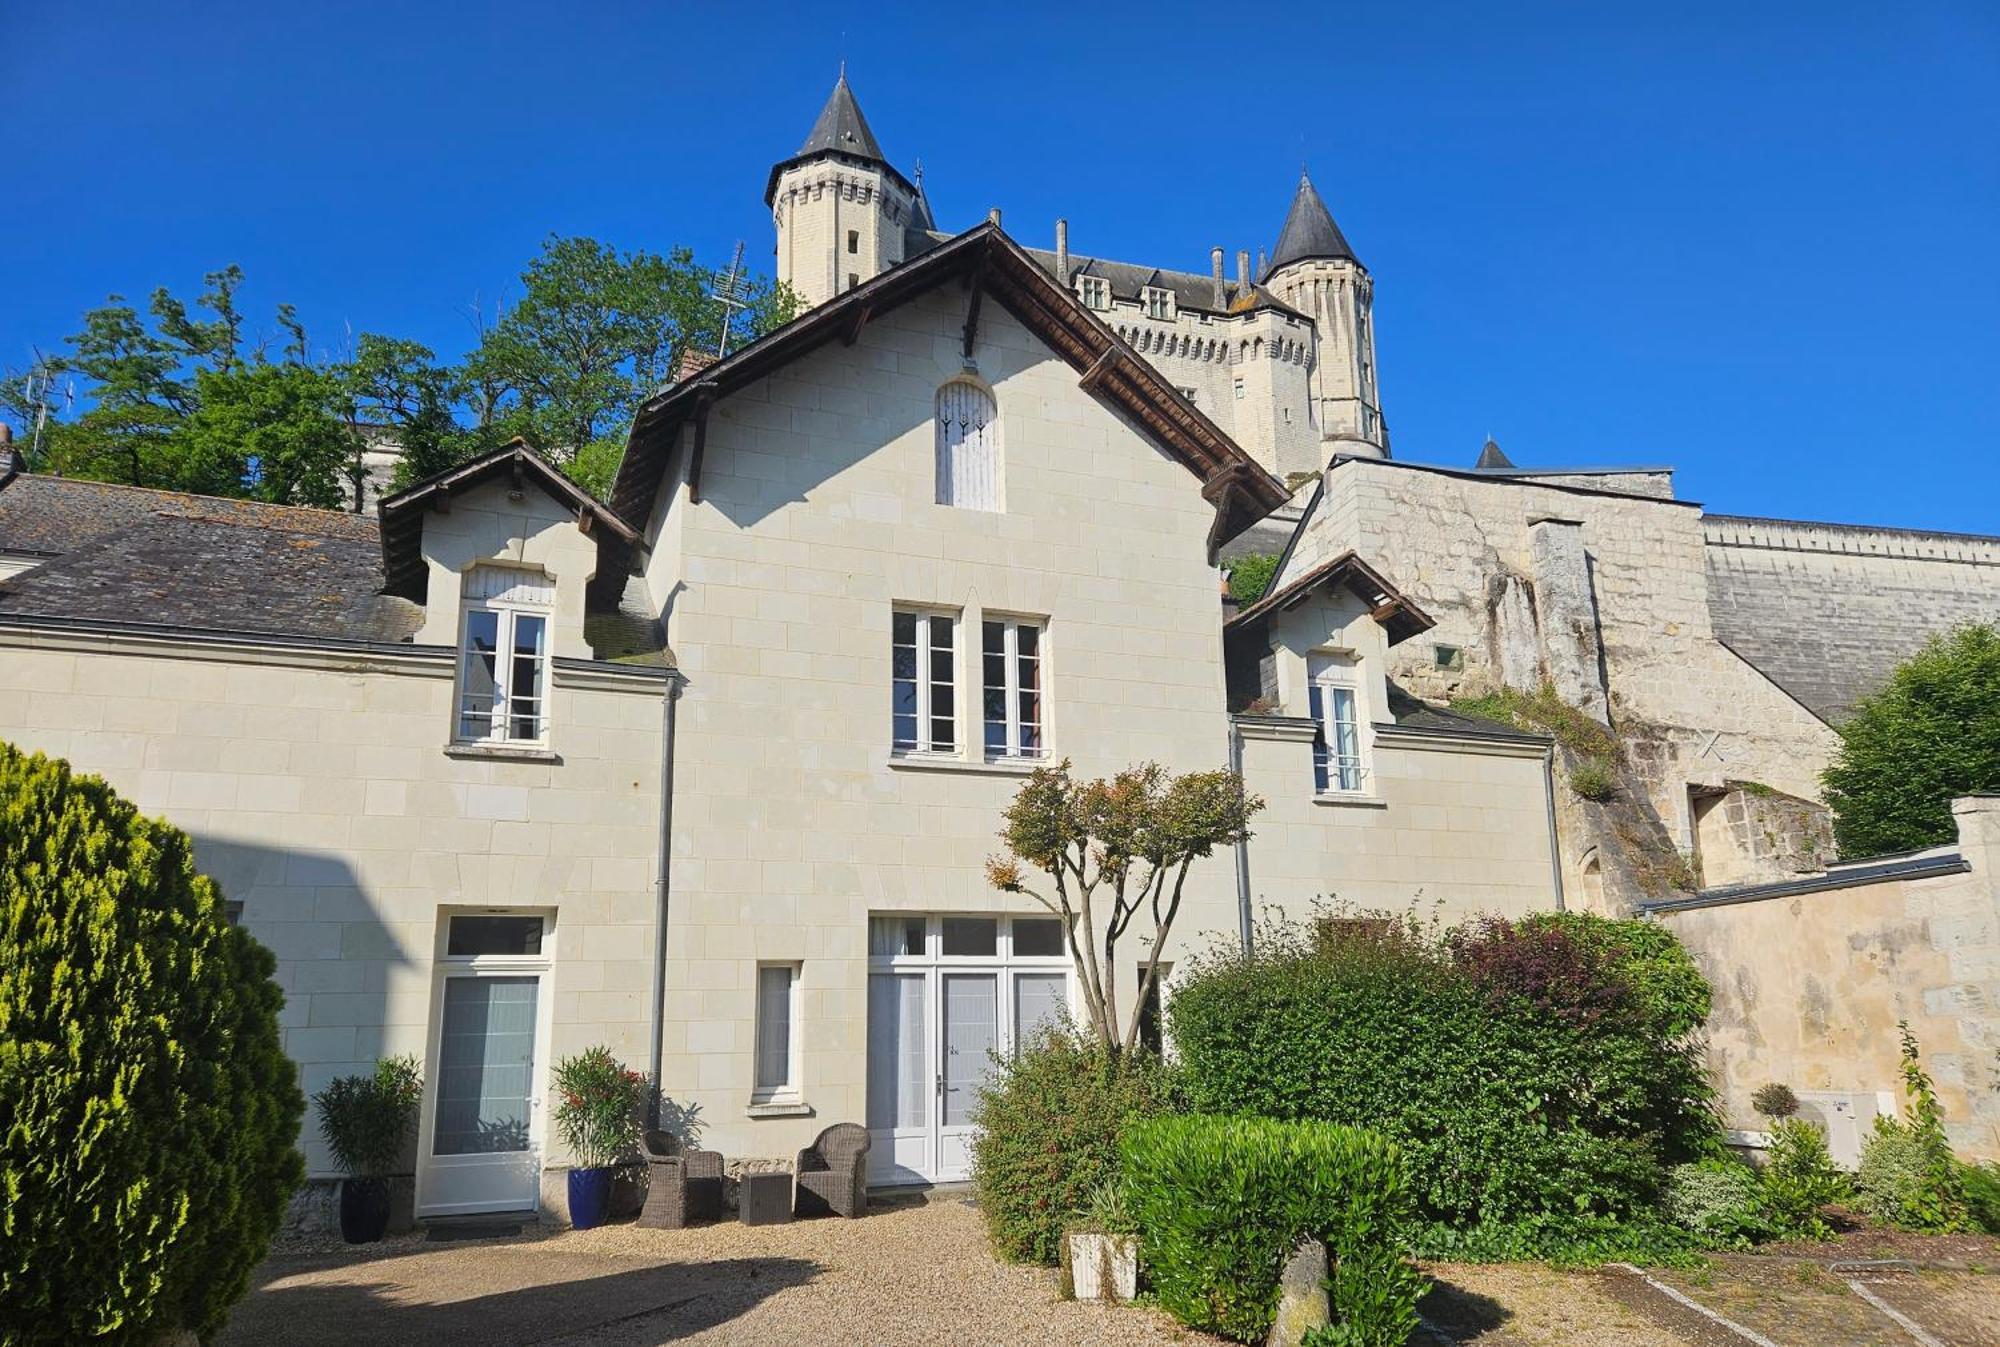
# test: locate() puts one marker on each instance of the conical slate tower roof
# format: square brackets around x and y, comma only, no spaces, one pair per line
[841,127]
[1309,231]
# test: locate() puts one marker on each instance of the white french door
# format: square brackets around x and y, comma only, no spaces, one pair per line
[480,1140]
[944,995]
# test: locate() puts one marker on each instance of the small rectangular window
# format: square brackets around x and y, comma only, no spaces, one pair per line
[1337,743]
[1038,938]
[776,985]
[471,937]
[504,657]
[1239,390]
[1095,290]
[894,936]
[923,682]
[1159,303]
[971,937]
[853,279]
[854,240]
[1011,662]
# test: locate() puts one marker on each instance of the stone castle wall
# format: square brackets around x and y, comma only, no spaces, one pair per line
[1829,610]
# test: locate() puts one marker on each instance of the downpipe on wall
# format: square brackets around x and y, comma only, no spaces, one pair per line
[1549,794]
[662,888]
[1243,916]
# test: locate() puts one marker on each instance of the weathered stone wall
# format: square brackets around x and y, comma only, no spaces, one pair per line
[1809,987]
[1829,610]
[1689,711]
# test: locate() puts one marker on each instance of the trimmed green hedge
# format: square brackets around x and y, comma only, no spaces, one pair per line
[1222,1203]
[148,1114]
[1049,1122]
[1540,1076]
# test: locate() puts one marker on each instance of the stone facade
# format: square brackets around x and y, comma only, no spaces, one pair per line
[1811,978]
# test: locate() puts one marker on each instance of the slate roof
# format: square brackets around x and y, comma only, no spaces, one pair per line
[1491,458]
[1417,714]
[156,558]
[1309,231]
[840,126]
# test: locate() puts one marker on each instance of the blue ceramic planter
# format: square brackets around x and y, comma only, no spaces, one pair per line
[589,1197]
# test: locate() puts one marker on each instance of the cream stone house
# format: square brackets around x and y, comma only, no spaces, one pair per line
[938,532]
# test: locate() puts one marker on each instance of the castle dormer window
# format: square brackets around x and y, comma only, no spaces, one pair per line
[968,447]
[504,656]
[1159,303]
[1095,292]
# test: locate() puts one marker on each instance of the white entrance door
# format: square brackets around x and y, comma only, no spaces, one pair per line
[944,995]
[480,1142]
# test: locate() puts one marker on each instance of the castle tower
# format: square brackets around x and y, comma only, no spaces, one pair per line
[841,210]
[1313,270]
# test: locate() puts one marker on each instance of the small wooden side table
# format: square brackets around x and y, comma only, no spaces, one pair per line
[764,1199]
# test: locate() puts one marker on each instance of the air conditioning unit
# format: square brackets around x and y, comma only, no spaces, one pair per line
[1848,1117]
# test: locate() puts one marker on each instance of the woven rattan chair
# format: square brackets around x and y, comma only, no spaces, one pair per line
[682,1184]
[832,1173]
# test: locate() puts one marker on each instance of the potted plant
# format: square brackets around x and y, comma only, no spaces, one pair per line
[1104,1248]
[366,1121]
[597,1116]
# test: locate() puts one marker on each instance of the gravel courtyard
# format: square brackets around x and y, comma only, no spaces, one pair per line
[913,1272]
[908,1273]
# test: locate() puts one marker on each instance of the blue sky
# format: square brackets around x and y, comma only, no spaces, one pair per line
[1758,242]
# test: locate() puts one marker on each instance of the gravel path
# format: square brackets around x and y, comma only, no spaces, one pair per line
[911,1273]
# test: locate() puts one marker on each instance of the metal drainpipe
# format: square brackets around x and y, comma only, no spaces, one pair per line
[1243,917]
[1549,793]
[662,888]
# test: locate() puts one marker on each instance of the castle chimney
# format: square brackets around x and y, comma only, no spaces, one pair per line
[1242,272]
[1062,252]
[1215,261]
[11,462]
[692,362]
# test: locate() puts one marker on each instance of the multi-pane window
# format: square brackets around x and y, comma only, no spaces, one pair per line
[1011,656]
[968,447]
[923,697]
[777,985]
[1159,303]
[1095,291]
[504,657]
[1337,744]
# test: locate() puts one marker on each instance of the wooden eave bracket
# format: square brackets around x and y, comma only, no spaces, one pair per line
[977,281]
[852,332]
[1099,368]
[704,398]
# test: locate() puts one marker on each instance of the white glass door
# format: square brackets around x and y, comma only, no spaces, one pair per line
[484,1151]
[970,1033]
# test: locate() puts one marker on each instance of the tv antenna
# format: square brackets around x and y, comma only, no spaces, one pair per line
[731,289]
[40,387]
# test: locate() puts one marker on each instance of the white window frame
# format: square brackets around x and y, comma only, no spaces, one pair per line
[508,612]
[788,1089]
[1329,676]
[925,745]
[1094,291]
[1010,687]
[1159,303]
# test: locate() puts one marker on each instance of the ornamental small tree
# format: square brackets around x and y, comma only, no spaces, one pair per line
[1116,851]
[148,1115]
[1932,734]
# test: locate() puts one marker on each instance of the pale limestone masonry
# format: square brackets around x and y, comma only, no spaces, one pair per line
[1828,610]
[1811,977]
[320,790]
[794,822]
[1692,713]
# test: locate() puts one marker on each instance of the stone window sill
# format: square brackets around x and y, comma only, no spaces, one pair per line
[502,753]
[1339,801]
[920,762]
[779,1106]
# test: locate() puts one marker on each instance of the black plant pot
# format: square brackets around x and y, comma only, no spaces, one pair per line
[364,1209]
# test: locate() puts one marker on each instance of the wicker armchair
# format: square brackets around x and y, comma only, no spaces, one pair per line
[682,1184]
[832,1173]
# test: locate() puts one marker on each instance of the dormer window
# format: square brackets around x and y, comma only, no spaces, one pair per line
[503,663]
[1095,292]
[1159,303]
[1333,698]
[968,447]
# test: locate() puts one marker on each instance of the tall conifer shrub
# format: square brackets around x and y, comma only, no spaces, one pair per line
[148,1115]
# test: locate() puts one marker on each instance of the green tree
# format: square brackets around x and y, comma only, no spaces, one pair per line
[1932,734]
[1114,850]
[148,1115]
[595,333]
[269,431]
